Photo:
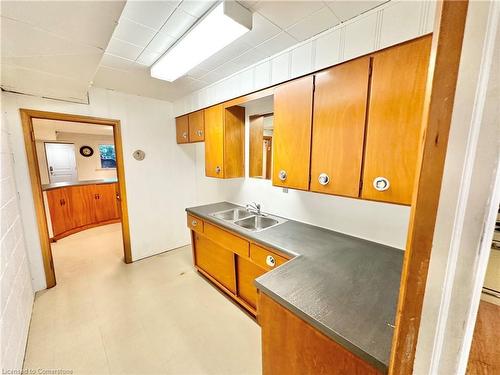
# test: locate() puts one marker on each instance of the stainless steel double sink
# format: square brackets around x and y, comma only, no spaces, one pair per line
[249,220]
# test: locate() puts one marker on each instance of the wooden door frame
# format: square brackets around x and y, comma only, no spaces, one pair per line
[27,116]
[438,107]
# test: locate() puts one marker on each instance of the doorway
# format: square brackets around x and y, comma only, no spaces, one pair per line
[69,201]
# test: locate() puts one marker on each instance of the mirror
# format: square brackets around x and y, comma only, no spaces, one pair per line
[261,145]
[259,115]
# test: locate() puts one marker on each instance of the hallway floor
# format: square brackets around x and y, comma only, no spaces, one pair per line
[155,316]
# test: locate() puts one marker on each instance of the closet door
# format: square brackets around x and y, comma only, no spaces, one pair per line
[340,99]
[399,76]
[292,133]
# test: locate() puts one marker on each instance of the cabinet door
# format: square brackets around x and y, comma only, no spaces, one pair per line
[247,272]
[214,141]
[216,261]
[394,121]
[182,129]
[340,98]
[105,202]
[196,126]
[60,211]
[292,133]
[82,205]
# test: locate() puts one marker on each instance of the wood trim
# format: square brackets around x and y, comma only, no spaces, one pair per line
[27,116]
[84,227]
[438,106]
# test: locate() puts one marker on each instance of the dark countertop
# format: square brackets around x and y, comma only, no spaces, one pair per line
[344,286]
[56,185]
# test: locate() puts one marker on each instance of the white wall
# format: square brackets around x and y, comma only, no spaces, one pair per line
[16,294]
[468,204]
[389,24]
[159,187]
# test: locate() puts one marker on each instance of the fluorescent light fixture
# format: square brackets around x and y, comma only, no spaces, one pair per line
[225,23]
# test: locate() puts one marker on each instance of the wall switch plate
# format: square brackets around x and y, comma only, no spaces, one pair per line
[285,190]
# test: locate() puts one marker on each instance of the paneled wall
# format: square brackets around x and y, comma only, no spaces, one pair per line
[159,188]
[16,291]
[384,26]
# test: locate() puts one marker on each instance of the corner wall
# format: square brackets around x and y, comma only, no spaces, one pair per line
[16,293]
[159,188]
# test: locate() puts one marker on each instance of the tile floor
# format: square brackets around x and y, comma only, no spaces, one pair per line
[155,316]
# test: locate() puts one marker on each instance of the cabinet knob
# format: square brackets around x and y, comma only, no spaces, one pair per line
[217,169]
[282,175]
[194,223]
[381,184]
[270,261]
[323,179]
[185,135]
[200,133]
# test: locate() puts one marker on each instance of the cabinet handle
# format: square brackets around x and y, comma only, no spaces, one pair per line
[97,196]
[270,261]
[217,169]
[282,175]
[62,202]
[381,183]
[323,179]
[200,133]
[185,135]
[194,223]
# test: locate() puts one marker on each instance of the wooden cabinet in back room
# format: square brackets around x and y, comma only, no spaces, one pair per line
[394,124]
[225,141]
[340,97]
[292,133]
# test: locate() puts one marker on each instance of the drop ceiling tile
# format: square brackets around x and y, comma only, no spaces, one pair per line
[346,10]
[228,53]
[21,40]
[196,8]
[148,57]
[262,30]
[178,23]
[277,44]
[123,49]
[313,24]
[116,62]
[91,23]
[196,72]
[132,32]
[161,42]
[248,58]
[152,14]
[249,4]
[286,13]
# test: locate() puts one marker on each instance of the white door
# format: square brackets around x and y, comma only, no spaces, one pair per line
[61,162]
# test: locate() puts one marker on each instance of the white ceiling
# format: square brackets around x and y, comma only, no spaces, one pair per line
[56,48]
[42,127]
[53,48]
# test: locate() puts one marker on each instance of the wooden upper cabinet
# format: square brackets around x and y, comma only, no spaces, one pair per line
[292,133]
[214,141]
[340,98]
[196,126]
[225,141]
[182,129]
[394,121]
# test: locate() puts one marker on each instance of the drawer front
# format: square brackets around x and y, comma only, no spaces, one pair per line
[265,258]
[225,239]
[216,261]
[195,224]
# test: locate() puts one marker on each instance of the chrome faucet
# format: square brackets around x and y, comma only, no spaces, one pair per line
[253,207]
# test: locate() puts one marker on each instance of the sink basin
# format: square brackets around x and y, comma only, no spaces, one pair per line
[256,223]
[233,214]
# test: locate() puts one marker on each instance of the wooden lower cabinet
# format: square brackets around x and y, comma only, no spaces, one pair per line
[293,347]
[216,261]
[224,258]
[247,272]
[75,208]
